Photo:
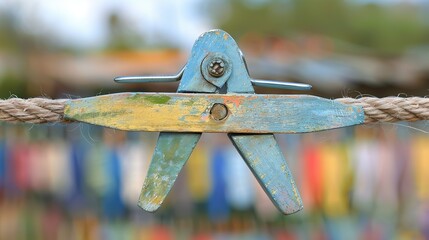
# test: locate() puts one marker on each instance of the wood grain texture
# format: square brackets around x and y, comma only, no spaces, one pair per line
[171,153]
[185,112]
[263,156]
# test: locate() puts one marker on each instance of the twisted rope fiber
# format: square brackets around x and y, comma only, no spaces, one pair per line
[33,110]
[389,109]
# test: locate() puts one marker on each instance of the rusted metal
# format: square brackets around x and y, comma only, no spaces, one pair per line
[219,111]
[217,68]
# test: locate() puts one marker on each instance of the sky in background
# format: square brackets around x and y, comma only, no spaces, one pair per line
[82,23]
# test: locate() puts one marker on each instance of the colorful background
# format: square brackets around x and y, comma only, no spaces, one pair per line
[78,181]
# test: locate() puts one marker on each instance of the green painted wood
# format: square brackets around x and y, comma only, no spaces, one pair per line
[263,156]
[185,112]
[171,153]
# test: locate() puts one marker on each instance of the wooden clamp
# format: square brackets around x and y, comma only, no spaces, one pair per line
[216,94]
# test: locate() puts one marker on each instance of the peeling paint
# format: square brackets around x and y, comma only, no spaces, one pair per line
[248,113]
[92,115]
[171,153]
[162,99]
[273,175]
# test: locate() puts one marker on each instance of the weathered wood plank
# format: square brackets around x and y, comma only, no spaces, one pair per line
[171,153]
[263,156]
[186,112]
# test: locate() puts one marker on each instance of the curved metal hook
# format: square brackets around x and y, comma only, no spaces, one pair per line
[147,79]
[275,84]
[280,85]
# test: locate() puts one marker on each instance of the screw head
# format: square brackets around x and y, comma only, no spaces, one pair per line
[216,68]
[219,111]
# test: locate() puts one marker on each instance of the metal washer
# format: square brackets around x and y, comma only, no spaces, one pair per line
[221,80]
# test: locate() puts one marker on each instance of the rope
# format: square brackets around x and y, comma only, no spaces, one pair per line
[389,109]
[33,110]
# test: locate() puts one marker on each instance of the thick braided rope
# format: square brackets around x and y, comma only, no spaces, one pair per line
[389,109]
[33,110]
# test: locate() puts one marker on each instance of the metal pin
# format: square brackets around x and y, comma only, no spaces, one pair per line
[147,79]
[280,85]
[219,111]
[275,84]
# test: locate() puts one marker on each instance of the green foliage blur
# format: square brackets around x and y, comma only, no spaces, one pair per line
[11,81]
[386,30]
[383,31]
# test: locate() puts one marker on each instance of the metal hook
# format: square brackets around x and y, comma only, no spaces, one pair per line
[147,79]
[275,84]
[280,85]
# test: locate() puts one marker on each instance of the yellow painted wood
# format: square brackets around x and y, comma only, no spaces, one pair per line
[185,112]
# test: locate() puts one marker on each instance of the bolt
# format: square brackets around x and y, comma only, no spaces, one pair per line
[219,111]
[216,68]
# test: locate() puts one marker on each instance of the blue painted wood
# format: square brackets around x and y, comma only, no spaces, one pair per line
[171,153]
[215,41]
[263,156]
[172,150]
[248,113]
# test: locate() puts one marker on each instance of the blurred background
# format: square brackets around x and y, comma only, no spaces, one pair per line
[82,182]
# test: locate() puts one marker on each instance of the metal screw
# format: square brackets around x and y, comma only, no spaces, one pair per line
[219,111]
[216,68]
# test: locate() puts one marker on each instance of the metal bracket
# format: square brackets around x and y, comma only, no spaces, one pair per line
[213,50]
